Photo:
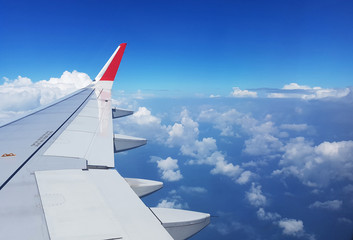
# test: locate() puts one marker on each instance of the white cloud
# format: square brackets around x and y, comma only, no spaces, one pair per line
[280,95]
[169,169]
[22,94]
[173,201]
[143,123]
[221,165]
[263,136]
[199,149]
[327,93]
[237,92]
[295,90]
[255,196]
[319,165]
[58,87]
[168,163]
[144,117]
[330,205]
[292,227]
[185,136]
[171,175]
[185,132]
[164,203]
[262,145]
[262,215]
[262,139]
[225,168]
[293,86]
[225,121]
[334,150]
[19,95]
[244,177]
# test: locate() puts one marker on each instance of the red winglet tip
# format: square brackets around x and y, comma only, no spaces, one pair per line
[110,72]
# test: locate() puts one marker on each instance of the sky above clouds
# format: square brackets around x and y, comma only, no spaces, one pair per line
[247,105]
[184,47]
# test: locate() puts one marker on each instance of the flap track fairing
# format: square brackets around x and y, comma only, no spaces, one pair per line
[123,142]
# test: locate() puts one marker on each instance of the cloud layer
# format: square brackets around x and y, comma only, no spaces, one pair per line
[319,165]
[294,90]
[269,149]
[184,134]
[237,92]
[22,95]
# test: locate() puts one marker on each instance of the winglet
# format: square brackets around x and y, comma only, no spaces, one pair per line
[110,69]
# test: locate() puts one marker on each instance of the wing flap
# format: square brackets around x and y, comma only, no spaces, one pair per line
[74,207]
[94,204]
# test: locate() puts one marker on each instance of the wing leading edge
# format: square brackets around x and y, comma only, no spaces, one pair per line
[59,181]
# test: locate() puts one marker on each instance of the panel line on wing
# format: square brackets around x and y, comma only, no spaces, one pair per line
[90,134]
[41,205]
[43,143]
[40,110]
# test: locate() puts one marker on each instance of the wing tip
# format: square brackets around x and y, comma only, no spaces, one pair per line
[110,69]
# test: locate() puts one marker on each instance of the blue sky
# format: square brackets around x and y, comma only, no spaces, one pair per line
[247,105]
[210,46]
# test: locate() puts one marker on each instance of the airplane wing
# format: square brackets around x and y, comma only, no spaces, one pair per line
[58,179]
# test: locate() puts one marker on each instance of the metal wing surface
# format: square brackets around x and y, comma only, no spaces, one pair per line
[58,177]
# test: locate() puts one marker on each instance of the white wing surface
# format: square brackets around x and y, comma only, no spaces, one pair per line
[58,178]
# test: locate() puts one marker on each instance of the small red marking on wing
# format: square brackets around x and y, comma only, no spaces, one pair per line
[8,155]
